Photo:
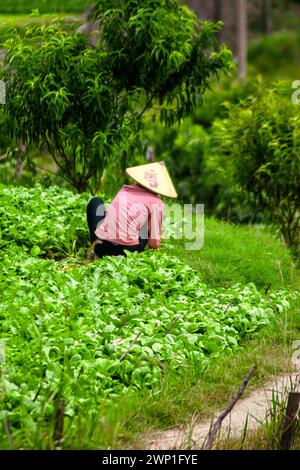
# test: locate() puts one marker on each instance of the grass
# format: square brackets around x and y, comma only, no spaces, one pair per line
[44,6]
[240,253]
[10,23]
[24,20]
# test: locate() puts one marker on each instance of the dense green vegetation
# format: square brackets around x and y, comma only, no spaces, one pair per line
[276,57]
[43,221]
[87,107]
[265,131]
[92,354]
[66,326]
[44,6]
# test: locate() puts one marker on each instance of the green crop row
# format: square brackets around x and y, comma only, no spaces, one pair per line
[48,221]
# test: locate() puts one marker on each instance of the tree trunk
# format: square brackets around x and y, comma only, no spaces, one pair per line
[196,6]
[217,13]
[242,37]
[217,10]
[81,186]
[266,16]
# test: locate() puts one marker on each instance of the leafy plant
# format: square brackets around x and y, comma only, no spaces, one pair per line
[88,334]
[85,334]
[87,103]
[48,221]
[261,138]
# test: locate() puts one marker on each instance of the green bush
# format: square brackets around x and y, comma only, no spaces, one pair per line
[276,56]
[261,139]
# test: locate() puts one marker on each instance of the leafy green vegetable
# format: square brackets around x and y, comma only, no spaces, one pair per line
[43,220]
[88,333]
[65,330]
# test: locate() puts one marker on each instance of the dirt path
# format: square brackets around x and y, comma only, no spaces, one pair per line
[254,408]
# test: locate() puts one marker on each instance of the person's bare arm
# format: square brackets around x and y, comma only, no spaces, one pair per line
[155,227]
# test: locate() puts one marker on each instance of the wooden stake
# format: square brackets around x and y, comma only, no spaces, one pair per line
[59,422]
[290,421]
[8,431]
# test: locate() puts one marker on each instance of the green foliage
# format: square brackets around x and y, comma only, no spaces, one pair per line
[261,137]
[51,221]
[66,324]
[163,48]
[276,56]
[87,103]
[62,94]
[44,6]
[65,330]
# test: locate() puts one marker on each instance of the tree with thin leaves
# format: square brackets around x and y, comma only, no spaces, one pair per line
[87,104]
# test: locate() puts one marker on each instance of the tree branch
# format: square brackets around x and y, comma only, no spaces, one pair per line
[210,438]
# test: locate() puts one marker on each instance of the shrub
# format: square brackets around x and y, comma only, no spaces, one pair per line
[276,56]
[262,138]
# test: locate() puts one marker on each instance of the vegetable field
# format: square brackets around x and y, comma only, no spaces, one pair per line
[104,352]
[75,335]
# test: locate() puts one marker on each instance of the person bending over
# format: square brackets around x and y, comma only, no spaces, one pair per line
[134,218]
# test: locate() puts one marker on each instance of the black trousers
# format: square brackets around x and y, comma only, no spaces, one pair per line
[95,213]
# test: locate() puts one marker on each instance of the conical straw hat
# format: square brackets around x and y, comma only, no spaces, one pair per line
[155,177]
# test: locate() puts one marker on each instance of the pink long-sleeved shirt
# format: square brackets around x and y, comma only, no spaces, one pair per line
[131,209]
